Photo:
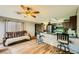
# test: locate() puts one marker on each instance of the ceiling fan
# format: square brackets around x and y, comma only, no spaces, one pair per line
[28,11]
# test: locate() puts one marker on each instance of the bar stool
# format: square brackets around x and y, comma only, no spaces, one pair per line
[63,40]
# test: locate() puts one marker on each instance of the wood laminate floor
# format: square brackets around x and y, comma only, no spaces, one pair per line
[31,47]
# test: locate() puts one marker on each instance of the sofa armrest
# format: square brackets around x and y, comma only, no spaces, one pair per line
[27,34]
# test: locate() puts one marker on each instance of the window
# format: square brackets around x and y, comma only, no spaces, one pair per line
[14,26]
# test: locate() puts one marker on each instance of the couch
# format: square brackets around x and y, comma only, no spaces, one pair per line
[12,37]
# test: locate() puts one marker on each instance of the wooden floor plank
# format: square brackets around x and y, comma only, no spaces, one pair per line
[32,47]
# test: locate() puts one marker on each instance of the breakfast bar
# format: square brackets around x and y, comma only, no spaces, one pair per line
[51,39]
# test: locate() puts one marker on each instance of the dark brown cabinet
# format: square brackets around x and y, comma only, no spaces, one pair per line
[73,22]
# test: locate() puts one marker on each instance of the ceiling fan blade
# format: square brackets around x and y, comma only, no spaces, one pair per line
[26,8]
[23,7]
[36,12]
[33,16]
[20,12]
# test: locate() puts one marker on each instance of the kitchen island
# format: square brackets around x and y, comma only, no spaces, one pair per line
[51,39]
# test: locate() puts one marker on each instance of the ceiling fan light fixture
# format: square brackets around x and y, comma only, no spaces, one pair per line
[28,11]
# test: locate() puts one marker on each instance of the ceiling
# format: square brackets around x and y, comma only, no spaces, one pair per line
[47,12]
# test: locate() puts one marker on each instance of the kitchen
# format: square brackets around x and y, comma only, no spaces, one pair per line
[68,26]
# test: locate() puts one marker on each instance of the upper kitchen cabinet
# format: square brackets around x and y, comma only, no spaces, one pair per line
[73,22]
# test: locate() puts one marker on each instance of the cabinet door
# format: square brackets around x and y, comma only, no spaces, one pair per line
[73,22]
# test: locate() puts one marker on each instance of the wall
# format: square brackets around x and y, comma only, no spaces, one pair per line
[30,28]
[2,31]
[78,22]
[11,26]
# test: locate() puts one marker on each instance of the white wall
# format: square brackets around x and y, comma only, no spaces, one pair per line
[78,22]
[30,28]
[2,31]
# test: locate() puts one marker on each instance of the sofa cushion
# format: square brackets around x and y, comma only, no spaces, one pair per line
[11,40]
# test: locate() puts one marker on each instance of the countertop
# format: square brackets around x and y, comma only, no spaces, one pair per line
[69,37]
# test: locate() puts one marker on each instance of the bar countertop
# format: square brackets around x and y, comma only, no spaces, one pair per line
[51,39]
[69,37]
